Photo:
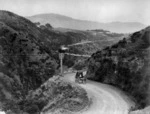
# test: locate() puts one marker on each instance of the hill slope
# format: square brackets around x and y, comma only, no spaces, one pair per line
[66,22]
[29,57]
[92,41]
[24,62]
[126,65]
[26,49]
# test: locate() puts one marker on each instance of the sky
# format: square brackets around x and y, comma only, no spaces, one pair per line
[92,10]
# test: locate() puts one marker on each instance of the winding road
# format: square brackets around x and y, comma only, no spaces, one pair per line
[106,99]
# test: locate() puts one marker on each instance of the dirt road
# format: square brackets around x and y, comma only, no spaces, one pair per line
[106,99]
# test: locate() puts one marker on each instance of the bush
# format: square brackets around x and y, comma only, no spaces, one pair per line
[128,69]
[32,109]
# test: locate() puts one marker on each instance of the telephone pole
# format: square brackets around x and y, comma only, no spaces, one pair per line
[62,51]
[61,57]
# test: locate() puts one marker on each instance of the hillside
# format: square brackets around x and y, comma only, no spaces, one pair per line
[92,41]
[29,57]
[24,62]
[125,65]
[58,21]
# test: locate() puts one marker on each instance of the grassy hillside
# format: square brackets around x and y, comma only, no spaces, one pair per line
[97,39]
[54,96]
[24,62]
[126,65]
[29,57]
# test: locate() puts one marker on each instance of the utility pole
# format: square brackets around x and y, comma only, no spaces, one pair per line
[61,57]
[62,51]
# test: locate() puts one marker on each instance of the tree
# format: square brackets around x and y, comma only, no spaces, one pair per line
[79,65]
[48,26]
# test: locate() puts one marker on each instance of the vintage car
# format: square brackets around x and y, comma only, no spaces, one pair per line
[80,78]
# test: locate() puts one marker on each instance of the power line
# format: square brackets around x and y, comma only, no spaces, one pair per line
[78,55]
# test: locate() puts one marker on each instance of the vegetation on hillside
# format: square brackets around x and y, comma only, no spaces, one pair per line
[25,63]
[96,40]
[29,55]
[54,96]
[125,65]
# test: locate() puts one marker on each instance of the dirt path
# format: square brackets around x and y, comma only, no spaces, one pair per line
[106,99]
[2,112]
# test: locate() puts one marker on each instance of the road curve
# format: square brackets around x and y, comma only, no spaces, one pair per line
[105,98]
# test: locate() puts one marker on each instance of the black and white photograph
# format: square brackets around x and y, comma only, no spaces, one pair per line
[74,56]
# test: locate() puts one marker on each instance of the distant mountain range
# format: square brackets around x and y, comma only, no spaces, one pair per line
[62,21]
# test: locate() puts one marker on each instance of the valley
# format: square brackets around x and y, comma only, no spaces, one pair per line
[116,65]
